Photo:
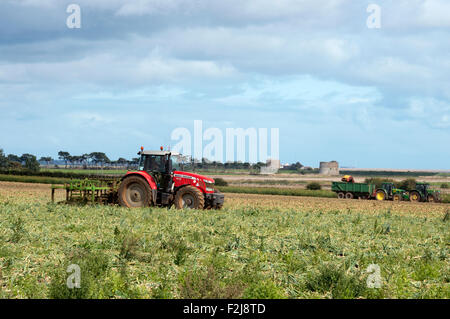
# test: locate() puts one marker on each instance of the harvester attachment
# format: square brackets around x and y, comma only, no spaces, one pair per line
[89,191]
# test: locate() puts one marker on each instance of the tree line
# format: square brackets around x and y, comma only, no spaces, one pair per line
[96,159]
[92,159]
[30,161]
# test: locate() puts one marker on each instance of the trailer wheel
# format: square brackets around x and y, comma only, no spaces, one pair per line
[380,195]
[189,197]
[341,195]
[397,198]
[414,196]
[348,196]
[134,192]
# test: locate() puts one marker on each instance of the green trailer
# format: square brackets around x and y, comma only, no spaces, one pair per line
[353,190]
[387,191]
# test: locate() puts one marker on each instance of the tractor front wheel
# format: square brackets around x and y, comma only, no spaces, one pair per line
[189,197]
[134,192]
[414,196]
[431,198]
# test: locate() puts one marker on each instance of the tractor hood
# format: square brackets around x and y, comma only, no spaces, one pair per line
[192,175]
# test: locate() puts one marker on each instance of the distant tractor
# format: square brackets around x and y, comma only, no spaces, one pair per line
[423,193]
[157,182]
[389,192]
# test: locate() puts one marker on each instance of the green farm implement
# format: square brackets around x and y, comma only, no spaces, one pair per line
[85,191]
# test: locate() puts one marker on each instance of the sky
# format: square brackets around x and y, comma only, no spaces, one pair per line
[136,70]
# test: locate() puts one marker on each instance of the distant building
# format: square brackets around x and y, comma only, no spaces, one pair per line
[329,168]
[272,166]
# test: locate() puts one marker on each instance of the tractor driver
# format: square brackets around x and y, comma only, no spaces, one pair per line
[156,164]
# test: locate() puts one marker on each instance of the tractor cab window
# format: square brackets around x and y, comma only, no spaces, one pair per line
[388,188]
[176,163]
[154,163]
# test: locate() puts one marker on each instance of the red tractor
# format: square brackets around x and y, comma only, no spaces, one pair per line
[158,182]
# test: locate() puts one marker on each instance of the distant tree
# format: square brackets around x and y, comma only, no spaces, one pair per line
[46,159]
[30,162]
[3,160]
[122,161]
[84,159]
[15,165]
[99,158]
[64,156]
[407,184]
[75,159]
[14,158]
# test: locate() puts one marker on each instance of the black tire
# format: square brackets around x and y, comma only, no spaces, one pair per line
[134,192]
[348,195]
[431,199]
[414,196]
[397,198]
[189,197]
[341,195]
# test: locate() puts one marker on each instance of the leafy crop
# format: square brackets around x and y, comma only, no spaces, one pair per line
[258,246]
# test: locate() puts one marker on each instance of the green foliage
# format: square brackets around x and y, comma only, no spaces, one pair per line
[94,266]
[30,162]
[264,290]
[220,182]
[377,181]
[242,251]
[3,160]
[445,185]
[407,184]
[333,279]
[313,186]
[18,229]
[208,284]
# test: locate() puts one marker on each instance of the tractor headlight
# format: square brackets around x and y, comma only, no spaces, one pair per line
[209,186]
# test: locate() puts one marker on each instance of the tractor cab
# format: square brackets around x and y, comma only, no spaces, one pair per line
[160,165]
[422,188]
[156,162]
[388,187]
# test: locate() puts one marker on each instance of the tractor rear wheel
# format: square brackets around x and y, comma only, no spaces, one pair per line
[414,196]
[380,195]
[341,195]
[134,192]
[189,197]
[397,198]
